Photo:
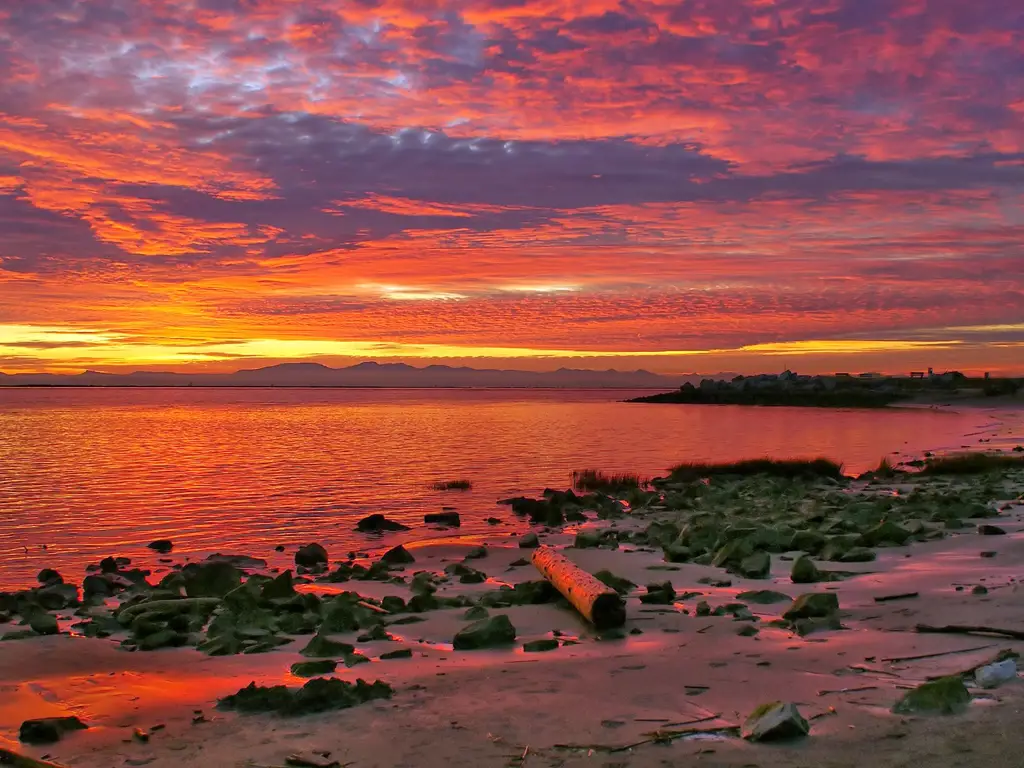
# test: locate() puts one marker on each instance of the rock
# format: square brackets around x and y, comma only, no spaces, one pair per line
[989,554]
[539,646]
[858,555]
[990,530]
[945,696]
[493,521]
[401,653]
[756,566]
[211,579]
[747,630]
[806,572]
[529,541]
[47,730]
[676,553]
[317,695]
[310,760]
[94,586]
[476,553]
[812,605]
[776,721]
[48,577]
[397,556]
[994,675]
[311,556]
[280,588]
[805,627]
[476,613]
[163,546]
[810,542]
[979,589]
[886,533]
[313,668]
[321,646]
[587,540]
[443,518]
[393,604]
[763,597]
[43,623]
[703,608]
[164,638]
[659,594]
[486,633]
[619,584]
[377,523]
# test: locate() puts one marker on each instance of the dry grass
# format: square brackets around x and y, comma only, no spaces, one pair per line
[971,463]
[596,480]
[787,468]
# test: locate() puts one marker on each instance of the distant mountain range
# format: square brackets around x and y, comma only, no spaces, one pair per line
[368,374]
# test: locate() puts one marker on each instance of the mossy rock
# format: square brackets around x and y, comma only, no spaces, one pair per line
[619,584]
[886,533]
[805,627]
[280,588]
[806,572]
[776,721]
[812,605]
[486,633]
[529,541]
[317,695]
[212,579]
[859,555]
[47,730]
[587,540]
[476,553]
[476,613]
[659,594]
[397,556]
[945,696]
[756,566]
[314,668]
[401,653]
[810,542]
[677,553]
[165,638]
[539,646]
[763,597]
[43,623]
[392,604]
[320,646]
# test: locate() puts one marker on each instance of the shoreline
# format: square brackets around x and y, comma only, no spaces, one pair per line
[486,707]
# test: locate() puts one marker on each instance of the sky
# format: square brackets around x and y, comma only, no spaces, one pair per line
[677,185]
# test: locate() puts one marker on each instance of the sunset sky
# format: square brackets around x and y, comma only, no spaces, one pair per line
[678,185]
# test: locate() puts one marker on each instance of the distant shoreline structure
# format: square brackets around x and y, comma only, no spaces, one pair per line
[841,390]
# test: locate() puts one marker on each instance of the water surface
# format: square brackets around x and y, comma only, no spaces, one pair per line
[92,472]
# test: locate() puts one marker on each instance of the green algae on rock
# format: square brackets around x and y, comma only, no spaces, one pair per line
[320,694]
[945,696]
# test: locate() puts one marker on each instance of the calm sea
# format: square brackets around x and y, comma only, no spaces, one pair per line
[91,472]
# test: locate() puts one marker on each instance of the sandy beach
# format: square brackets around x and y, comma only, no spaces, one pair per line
[625,699]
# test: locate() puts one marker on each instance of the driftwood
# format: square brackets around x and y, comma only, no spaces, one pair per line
[598,603]
[965,629]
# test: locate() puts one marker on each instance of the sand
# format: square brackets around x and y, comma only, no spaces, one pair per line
[580,704]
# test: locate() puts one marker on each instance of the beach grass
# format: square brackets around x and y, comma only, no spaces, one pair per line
[971,463]
[785,468]
[597,480]
[452,485]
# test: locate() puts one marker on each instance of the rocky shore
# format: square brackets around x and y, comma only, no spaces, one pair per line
[804,607]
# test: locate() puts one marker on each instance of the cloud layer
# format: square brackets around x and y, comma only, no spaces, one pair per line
[610,176]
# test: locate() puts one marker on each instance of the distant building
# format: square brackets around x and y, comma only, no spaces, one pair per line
[917,374]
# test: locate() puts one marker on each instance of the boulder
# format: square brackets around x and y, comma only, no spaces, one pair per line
[756,566]
[858,555]
[48,577]
[529,541]
[211,579]
[806,572]
[43,623]
[321,646]
[777,721]
[945,696]
[378,523]
[812,605]
[659,594]
[162,546]
[94,586]
[311,556]
[539,646]
[486,633]
[47,730]
[397,556]
[886,533]
[987,530]
[476,613]
[443,518]
[676,553]
[280,588]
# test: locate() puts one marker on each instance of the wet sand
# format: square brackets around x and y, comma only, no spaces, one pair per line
[582,704]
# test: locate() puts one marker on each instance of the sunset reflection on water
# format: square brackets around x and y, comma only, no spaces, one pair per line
[89,473]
